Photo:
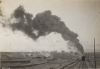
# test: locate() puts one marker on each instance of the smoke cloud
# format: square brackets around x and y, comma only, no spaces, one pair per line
[43,24]
[0,8]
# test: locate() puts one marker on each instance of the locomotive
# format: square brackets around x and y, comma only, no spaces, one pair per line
[83,58]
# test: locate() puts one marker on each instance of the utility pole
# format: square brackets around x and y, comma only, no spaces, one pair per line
[94,55]
[88,56]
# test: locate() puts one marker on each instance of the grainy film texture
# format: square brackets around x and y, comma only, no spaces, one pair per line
[49,34]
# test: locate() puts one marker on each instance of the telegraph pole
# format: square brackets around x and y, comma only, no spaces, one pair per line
[94,55]
[88,55]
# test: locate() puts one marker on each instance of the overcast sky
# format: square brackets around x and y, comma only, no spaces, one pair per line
[80,16]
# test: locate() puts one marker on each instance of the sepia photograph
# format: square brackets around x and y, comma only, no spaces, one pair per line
[49,34]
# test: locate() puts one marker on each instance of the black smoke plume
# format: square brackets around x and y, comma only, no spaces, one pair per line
[44,23]
[0,9]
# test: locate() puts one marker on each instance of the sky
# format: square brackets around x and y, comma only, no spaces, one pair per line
[80,16]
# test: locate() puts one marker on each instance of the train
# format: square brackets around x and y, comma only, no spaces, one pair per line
[83,58]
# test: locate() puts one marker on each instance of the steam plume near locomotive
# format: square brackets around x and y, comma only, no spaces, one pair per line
[41,25]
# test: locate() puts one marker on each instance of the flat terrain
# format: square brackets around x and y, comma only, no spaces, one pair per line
[24,61]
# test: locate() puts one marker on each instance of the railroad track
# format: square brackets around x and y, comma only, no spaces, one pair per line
[79,65]
[91,64]
[66,65]
[72,65]
[84,65]
[43,65]
[76,65]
